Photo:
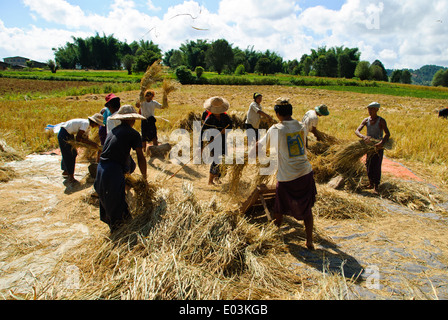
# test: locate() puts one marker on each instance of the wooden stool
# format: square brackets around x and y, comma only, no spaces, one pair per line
[258,198]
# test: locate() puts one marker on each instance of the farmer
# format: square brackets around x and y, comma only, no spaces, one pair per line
[220,120]
[75,130]
[296,189]
[114,163]
[311,120]
[376,129]
[147,110]
[113,105]
[254,116]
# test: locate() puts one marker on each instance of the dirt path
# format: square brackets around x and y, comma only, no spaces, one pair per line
[403,254]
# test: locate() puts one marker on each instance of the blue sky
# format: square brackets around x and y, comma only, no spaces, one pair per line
[401,34]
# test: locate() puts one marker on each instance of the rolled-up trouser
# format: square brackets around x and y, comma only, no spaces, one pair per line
[373,165]
[69,153]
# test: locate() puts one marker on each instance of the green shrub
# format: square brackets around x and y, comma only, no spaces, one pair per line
[184,75]
[199,71]
[240,70]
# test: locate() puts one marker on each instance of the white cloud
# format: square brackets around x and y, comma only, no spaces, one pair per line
[59,11]
[35,43]
[403,34]
[152,7]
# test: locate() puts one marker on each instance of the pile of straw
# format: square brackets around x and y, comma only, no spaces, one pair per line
[416,196]
[7,153]
[151,76]
[7,174]
[340,205]
[185,249]
[169,86]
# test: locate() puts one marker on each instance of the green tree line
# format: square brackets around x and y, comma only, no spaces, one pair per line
[108,53]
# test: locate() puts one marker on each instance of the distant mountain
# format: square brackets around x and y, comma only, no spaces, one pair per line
[422,76]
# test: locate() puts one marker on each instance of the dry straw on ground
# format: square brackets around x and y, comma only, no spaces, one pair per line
[185,249]
[414,195]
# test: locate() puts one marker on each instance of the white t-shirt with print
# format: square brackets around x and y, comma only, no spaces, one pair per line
[76,125]
[253,117]
[148,108]
[291,152]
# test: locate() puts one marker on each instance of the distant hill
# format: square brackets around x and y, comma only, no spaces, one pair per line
[422,76]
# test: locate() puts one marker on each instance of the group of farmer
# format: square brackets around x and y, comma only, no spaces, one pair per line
[296,188]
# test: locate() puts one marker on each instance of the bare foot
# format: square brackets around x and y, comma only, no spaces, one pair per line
[310,246]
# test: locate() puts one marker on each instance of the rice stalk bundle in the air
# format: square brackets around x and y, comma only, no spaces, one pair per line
[169,86]
[152,74]
[186,249]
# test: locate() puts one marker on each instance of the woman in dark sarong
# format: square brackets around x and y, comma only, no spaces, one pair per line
[115,162]
[296,188]
[217,119]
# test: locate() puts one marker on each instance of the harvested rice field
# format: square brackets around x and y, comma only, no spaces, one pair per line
[188,240]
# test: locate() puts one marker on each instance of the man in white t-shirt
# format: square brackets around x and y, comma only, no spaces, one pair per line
[311,119]
[75,129]
[296,189]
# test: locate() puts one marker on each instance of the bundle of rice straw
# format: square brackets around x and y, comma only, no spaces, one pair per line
[344,160]
[143,194]
[169,86]
[91,152]
[152,74]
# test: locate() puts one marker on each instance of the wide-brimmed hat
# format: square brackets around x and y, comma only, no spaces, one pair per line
[97,118]
[282,101]
[110,97]
[322,110]
[216,105]
[374,105]
[127,112]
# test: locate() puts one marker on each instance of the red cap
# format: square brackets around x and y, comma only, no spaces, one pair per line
[110,97]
